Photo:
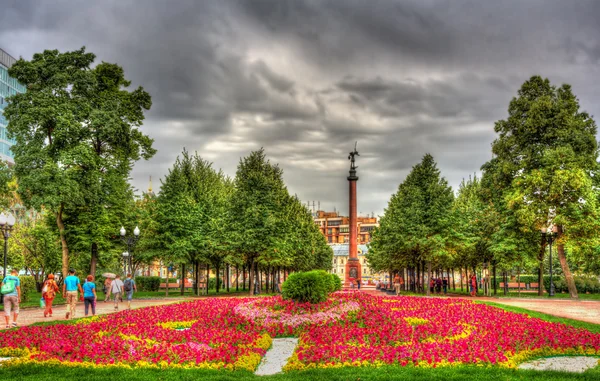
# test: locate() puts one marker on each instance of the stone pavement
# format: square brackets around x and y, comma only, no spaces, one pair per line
[34,315]
[583,310]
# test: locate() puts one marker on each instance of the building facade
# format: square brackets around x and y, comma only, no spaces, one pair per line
[336,228]
[8,87]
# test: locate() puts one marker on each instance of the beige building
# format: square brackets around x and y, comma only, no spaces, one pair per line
[340,257]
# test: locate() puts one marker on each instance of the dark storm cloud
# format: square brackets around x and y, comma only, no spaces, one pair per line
[306,79]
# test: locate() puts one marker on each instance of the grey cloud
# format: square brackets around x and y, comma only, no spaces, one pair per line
[307,78]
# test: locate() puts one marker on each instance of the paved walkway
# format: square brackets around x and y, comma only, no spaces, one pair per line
[34,315]
[584,310]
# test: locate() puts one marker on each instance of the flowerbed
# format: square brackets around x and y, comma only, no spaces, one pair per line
[349,329]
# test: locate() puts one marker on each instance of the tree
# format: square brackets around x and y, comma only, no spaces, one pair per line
[546,165]
[417,220]
[259,200]
[75,127]
[191,212]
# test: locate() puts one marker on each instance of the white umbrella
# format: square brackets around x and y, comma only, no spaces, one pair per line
[109,275]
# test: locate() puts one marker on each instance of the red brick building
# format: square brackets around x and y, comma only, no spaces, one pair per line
[336,228]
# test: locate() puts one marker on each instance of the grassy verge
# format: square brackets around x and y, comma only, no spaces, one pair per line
[461,373]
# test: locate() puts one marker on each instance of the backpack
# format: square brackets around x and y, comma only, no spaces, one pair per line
[127,285]
[8,287]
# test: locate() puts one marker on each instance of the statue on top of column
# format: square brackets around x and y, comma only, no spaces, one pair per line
[351,157]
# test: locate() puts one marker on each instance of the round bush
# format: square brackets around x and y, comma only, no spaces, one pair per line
[307,287]
[336,282]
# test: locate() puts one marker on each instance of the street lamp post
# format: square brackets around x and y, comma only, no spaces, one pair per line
[549,237]
[6,225]
[130,242]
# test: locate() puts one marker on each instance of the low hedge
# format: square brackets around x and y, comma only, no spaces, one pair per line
[307,287]
[147,283]
[336,282]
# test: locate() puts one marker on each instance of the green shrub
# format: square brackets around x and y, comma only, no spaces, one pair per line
[307,287]
[147,283]
[28,287]
[336,282]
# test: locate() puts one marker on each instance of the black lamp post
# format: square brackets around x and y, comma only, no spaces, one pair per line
[130,242]
[6,225]
[549,237]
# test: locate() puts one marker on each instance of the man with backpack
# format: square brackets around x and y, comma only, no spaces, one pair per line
[11,289]
[129,287]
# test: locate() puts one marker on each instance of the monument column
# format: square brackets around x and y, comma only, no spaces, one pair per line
[353,268]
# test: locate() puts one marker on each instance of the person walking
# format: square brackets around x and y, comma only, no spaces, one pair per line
[11,289]
[49,290]
[473,283]
[397,283]
[358,284]
[107,284]
[89,295]
[129,287]
[70,288]
[445,285]
[116,289]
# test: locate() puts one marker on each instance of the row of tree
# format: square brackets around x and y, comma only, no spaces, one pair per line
[543,174]
[77,137]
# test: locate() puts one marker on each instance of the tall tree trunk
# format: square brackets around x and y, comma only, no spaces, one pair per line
[207,277]
[182,278]
[251,274]
[267,279]
[494,275]
[167,284]
[560,249]
[428,278]
[244,278]
[94,260]
[228,280]
[237,277]
[259,279]
[63,242]
[218,273]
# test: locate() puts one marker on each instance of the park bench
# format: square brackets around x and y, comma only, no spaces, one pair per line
[178,285]
[520,286]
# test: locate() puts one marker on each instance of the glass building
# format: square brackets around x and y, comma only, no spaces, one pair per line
[8,86]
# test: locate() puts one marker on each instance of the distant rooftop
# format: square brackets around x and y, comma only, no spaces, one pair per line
[341,249]
[6,59]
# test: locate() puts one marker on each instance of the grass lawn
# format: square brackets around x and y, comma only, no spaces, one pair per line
[53,373]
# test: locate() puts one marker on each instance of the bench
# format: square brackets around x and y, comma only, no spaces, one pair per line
[520,286]
[178,285]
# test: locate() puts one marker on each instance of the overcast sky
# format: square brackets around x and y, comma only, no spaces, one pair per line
[306,79]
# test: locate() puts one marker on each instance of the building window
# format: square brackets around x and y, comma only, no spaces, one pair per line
[345,230]
[342,271]
[366,229]
[335,261]
[334,223]
[329,231]
[364,271]
[329,239]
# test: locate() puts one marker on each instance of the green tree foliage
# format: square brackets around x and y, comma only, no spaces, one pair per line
[416,223]
[76,130]
[545,167]
[191,212]
[270,228]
